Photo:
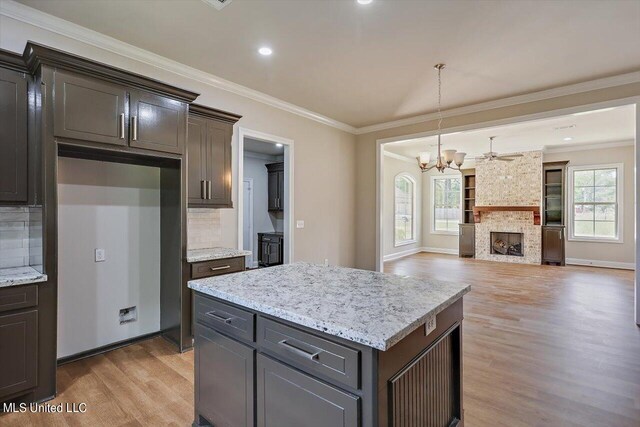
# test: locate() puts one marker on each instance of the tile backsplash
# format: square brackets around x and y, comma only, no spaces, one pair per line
[21,237]
[204,229]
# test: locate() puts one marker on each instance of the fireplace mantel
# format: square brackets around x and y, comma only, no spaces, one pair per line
[477,210]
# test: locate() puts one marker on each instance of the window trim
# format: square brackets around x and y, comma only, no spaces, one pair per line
[414,203]
[432,203]
[619,201]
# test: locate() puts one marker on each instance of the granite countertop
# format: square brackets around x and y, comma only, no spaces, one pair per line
[197,255]
[370,308]
[20,276]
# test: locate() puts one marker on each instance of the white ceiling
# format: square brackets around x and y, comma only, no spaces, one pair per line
[597,127]
[255,146]
[369,64]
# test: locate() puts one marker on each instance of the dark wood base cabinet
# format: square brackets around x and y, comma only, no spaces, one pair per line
[254,370]
[18,341]
[270,249]
[553,247]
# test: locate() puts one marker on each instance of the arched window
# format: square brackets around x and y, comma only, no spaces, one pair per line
[404,209]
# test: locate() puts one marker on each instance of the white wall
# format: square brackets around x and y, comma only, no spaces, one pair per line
[392,167]
[115,207]
[324,163]
[623,253]
[263,221]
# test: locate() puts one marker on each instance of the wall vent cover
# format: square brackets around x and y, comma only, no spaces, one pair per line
[218,4]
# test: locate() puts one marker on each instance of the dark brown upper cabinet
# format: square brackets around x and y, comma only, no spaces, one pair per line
[157,123]
[275,182]
[13,136]
[89,109]
[209,157]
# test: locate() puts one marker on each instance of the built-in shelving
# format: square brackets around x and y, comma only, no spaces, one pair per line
[553,203]
[469,183]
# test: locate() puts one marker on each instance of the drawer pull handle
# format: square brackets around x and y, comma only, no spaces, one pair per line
[216,316]
[224,267]
[299,351]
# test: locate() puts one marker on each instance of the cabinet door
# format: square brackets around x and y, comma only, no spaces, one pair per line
[274,250]
[553,244]
[13,136]
[273,191]
[219,164]
[157,123]
[18,352]
[197,160]
[467,240]
[289,398]
[89,109]
[263,255]
[224,382]
[280,191]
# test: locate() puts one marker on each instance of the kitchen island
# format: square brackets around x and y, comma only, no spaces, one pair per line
[309,345]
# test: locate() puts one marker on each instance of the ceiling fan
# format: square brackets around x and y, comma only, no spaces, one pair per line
[492,155]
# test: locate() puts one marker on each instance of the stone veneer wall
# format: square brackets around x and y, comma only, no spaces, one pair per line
[516,183]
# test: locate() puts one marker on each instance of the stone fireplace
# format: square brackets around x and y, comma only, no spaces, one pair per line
[511,195]
[508,244]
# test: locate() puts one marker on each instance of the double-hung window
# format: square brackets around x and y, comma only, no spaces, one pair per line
[595,203]
[445,202]
[404,209]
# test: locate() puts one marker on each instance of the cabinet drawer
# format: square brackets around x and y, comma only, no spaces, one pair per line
[15,297]
[224,318]
[270,238]
[288,398]
[309,352]
[216,267]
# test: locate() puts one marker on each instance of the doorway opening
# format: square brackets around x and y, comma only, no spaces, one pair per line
[265,198]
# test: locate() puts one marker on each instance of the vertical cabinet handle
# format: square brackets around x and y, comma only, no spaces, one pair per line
[122,126]
[208,190]
[203,189]
[134,128]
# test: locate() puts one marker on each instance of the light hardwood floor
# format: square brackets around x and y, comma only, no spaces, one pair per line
[543,346]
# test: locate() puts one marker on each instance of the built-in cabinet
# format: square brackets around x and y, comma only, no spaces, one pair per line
[270,249]
[553,212]
[467,231]
[13,131]
[275,187]
[209,157]
[91,109]
[18,340]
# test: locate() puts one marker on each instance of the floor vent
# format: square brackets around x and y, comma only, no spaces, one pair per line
[218,4]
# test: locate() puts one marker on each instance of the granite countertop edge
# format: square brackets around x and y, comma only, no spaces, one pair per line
[210,254]
[8,281]
[379,342]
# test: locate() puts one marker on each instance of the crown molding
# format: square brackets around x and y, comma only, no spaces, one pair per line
[582,147]
[604,83]
[401,158]
[31,16]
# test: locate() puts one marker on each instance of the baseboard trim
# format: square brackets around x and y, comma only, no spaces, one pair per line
[414,251]
[402,254]
[601,264]
[106,348]
[445,251]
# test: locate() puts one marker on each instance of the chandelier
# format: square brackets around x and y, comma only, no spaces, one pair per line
[445,157]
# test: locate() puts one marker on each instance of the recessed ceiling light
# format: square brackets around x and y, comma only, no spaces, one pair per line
[568,138]
[278,145]
[265,51]
[364,1]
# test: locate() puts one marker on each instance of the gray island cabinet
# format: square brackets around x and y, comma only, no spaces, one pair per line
[304,345]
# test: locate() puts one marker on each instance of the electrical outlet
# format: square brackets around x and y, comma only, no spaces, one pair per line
[128,315]
[100,255]
[430,325]
[300,223]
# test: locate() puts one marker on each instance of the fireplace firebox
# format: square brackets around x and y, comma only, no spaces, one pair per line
[503,243]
